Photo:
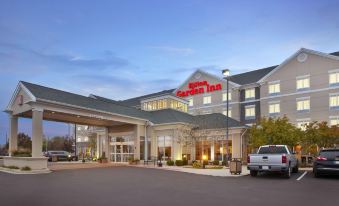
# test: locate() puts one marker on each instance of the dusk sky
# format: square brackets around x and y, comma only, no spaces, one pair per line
[122,49]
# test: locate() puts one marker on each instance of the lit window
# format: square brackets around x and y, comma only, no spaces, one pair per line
[303,83]
[274,88]
[86,139]
[302,124]
[224,96]
[78,139]
[190,102]
[334,121]
[303,105]
[334,101]
[250,93]
[229,112]
[334,78]
[250,112]
[274,108]
[207,100]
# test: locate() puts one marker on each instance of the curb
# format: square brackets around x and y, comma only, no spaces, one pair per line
[19,172]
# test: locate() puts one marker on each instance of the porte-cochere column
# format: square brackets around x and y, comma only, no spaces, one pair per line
[13,134]
[37,132]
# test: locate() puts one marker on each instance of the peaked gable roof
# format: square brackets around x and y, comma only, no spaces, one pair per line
[93,102]
[309,51]
[251,76]
[63,97]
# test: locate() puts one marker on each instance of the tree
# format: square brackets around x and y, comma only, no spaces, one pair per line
[318,135]
[24,142]
[274,131]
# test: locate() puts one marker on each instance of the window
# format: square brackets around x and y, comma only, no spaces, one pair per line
[224,112]
[190,102]
[250,93]
[303,83]
[334,121]
[224,96]
[334,101]
[274,108]
[303,105]
[334,78]
[207,100]
[274,88]
[250,112]
[301,124]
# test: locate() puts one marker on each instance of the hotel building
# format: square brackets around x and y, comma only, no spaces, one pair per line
[189,121]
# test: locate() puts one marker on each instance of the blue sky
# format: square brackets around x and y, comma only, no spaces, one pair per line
[122,49]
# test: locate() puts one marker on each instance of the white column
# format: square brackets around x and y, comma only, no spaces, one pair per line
[236,146]
[37,132]
[212,150]
[146,144]
[105,143]
[13,134]
[98,146]
[137,141]
[193,150]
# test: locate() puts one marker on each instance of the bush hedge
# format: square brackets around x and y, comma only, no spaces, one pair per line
[179,163]
[196,165]
[170,162]
[215,162]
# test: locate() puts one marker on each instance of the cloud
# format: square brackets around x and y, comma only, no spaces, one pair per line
[15,57]
[174,50]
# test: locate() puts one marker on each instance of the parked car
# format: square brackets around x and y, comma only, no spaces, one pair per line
[327,163]
[59,155]
[273,158]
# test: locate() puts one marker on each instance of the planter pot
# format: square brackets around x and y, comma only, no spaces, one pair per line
[103,161]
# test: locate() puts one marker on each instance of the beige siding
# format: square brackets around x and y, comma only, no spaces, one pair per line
[318,68]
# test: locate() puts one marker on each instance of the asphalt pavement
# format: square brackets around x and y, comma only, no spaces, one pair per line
[120,186]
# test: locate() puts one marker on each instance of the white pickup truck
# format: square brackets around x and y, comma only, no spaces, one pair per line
[273,158]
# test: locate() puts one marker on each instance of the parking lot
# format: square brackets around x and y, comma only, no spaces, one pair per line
[122,185]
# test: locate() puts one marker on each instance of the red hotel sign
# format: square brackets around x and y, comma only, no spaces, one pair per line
[199,87]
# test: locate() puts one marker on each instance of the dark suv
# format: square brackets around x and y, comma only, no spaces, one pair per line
[327,163]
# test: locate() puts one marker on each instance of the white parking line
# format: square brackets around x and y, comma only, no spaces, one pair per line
[302,176]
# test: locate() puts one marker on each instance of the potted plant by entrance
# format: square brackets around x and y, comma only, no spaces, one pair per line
[103,158]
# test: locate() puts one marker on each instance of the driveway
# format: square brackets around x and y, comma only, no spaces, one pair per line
[141,186]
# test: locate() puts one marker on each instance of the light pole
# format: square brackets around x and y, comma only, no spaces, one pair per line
[226,73]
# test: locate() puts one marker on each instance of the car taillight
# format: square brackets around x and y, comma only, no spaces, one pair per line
[248,159]
[321,158]
[283,159]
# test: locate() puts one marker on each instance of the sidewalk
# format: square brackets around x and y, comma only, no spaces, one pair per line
[225,172]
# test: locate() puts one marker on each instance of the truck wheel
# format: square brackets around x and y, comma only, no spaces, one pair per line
[253,173]
[316,174]
[288,173]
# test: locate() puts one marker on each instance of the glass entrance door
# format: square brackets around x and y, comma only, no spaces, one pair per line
[122,148]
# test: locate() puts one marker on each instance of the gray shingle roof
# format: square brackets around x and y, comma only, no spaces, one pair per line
[107,105]
[251,76]
[59,96]
[215,120]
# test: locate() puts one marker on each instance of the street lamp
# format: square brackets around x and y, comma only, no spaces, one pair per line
[226,73]
[204,158]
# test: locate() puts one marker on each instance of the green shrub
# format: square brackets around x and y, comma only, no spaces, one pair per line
[12,167]
[21,154]
[214,167]
[170,162]
[179,163]
[197,165]
[215,162]
[26,168]
[185,162]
